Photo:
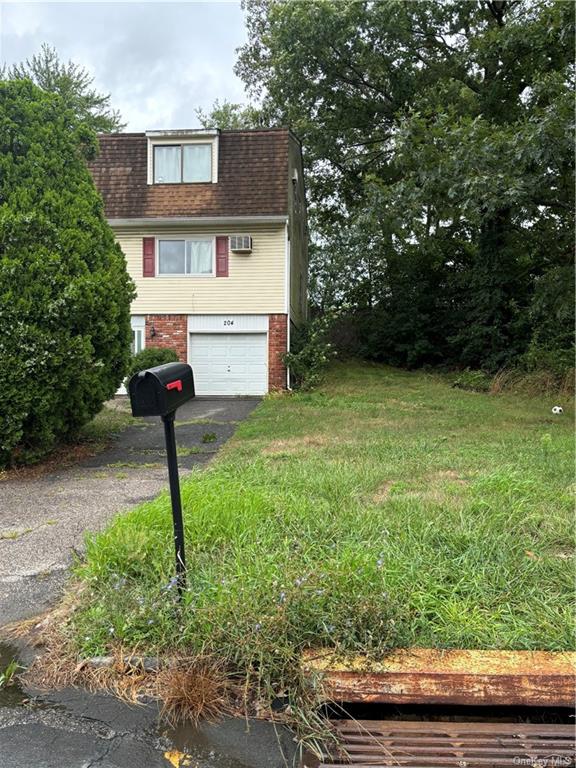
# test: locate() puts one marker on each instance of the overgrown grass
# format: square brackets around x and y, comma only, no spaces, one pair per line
[385,510]
[515,381]
[111,420]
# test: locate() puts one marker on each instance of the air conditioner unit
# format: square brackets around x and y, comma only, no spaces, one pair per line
[241,243]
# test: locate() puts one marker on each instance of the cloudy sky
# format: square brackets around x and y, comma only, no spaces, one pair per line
[158,60]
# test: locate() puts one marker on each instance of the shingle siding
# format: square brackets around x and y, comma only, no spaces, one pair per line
[252,178]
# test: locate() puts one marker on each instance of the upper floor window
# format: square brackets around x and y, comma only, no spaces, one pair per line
[182,163]
[183,156]
[194,256]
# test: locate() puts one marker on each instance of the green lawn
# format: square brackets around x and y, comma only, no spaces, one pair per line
[386,509]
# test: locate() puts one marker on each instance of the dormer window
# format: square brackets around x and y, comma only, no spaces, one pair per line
[182,157]
[182,163]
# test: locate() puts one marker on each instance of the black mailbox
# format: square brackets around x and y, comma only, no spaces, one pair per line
[161,390]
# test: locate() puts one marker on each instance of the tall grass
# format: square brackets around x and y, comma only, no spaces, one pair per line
[534,383]
[385,510]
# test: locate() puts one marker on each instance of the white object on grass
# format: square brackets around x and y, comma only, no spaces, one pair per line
[557,410]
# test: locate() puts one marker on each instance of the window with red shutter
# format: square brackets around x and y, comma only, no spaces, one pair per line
[222,256]
[148,257]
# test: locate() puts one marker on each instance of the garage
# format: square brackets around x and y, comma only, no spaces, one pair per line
[229,354]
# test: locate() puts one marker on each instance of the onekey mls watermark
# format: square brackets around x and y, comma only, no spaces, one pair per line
[550,761]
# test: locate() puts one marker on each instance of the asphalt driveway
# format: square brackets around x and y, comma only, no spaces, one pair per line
[43,520]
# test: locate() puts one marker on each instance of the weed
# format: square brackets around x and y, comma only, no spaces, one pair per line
[106,425]
[194,689]
[188,450]
[190,422]
[14,534]
[8,674]
[393,511]
[209,437]
[534,383]
[133,465]
[476,381]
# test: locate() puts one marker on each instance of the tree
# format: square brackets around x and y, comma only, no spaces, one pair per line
[501,159]
[73,83]
[229,116]
[443,129]
[64,291]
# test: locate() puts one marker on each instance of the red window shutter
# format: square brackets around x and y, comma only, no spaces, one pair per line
[148,257]
[222,257]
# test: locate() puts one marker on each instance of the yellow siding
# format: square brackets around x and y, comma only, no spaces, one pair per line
[256,283]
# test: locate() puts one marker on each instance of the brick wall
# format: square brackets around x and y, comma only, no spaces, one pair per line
[277,346]
[170,331]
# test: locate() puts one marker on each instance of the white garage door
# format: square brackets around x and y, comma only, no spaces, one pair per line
[229,363]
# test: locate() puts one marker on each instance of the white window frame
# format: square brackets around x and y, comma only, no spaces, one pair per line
[156,140]
[184,274]
[138,326]
[183,144]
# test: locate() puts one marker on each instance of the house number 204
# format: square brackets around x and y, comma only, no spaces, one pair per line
[228,322]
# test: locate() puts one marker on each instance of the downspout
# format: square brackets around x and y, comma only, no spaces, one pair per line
[287,289]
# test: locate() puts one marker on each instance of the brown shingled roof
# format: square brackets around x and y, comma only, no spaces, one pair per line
[252,178]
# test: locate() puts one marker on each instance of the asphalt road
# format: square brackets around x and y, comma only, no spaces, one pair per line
[72,729]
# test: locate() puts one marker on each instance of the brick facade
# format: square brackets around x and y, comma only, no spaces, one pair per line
[170,331]
[277,347]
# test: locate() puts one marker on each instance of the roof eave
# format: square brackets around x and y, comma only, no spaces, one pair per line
[167,221]
[183,133]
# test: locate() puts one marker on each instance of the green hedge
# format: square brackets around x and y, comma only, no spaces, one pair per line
[150,357]
[64,291]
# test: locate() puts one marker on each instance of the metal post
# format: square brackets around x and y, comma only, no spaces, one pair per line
[176,501]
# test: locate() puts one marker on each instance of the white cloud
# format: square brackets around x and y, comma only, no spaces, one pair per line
[159,61]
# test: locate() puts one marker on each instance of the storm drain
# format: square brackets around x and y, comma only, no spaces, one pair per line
[384,743]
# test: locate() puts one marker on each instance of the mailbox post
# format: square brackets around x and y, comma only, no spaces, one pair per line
[174,481]
[160,391]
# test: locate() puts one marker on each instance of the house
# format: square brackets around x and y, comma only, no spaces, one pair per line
[213,227]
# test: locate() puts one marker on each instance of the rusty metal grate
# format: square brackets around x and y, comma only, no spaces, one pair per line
[381,744]
[449,677]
